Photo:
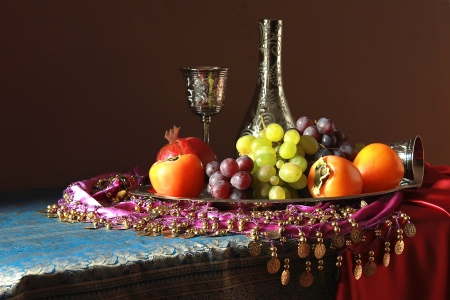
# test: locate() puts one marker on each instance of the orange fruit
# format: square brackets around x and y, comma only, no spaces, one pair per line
[380,166]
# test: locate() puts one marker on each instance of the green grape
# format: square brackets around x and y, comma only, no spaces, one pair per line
[279,163]
[252,155]
[277,192]
[274,132]
[299,161]
[292,191]
[300,150]
[261,191]
[287,150]
[276,148]
[262,133]
[255,166]
[243,144]
[359,146]
[290,172]
[274,180]
[309,144]
[301,183]
[259,142]
[265,172]
[292,136]
[265,149]
[287,193]
[265,189]
[266,159]
[255,181]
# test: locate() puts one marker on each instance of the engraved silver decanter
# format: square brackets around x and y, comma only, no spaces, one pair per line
[269,104]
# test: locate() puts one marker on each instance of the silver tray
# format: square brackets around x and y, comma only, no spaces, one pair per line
[144,190]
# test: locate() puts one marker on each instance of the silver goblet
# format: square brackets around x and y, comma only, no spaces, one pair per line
[412,154]
[205,90]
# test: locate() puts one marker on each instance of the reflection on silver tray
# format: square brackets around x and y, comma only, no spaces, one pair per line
[144,191]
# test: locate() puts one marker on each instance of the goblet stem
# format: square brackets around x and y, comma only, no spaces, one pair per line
[206,120]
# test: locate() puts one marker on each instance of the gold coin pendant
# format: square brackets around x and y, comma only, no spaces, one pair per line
[386,259]
[168,234]
[273,265]
[303,250]
[285,276]
[399,247]
[306,279]
[356,235]
[410,229]
[254,248]
[370,268]
[273,234]
[319,251]
[338,240]
[357,272]
[186,235]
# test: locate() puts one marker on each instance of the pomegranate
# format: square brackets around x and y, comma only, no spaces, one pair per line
[188,145]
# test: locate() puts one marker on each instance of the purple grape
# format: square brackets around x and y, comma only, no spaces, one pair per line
[321,153]
[237,194]
[303,123]
[341,143]
[241,180]
[212,167]
[208,188]
[221,189]
[229,167]
[328,140]
[349,151]
[338,134]
[338,152]
[325,126]
[312,131]
[216,176]
[245,163]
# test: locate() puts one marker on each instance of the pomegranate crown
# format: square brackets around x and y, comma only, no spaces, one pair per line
[172,134]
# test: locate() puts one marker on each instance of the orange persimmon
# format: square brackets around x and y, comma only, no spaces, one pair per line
[179,176]
[334,176]
[380,166]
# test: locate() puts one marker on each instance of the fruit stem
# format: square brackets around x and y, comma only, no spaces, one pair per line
[262,121]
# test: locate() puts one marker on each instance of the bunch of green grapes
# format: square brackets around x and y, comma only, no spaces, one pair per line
[279,161]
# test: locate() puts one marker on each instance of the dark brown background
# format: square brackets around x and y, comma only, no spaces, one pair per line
[88,87]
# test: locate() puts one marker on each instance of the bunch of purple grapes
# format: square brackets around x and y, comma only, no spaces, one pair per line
[331,139]
[231,178]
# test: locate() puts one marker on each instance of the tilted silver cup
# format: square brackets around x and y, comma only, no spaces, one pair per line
[412,154]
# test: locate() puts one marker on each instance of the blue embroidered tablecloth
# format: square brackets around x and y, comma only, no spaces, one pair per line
[41,258]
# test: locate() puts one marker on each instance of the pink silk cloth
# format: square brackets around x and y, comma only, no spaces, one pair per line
[368,217]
